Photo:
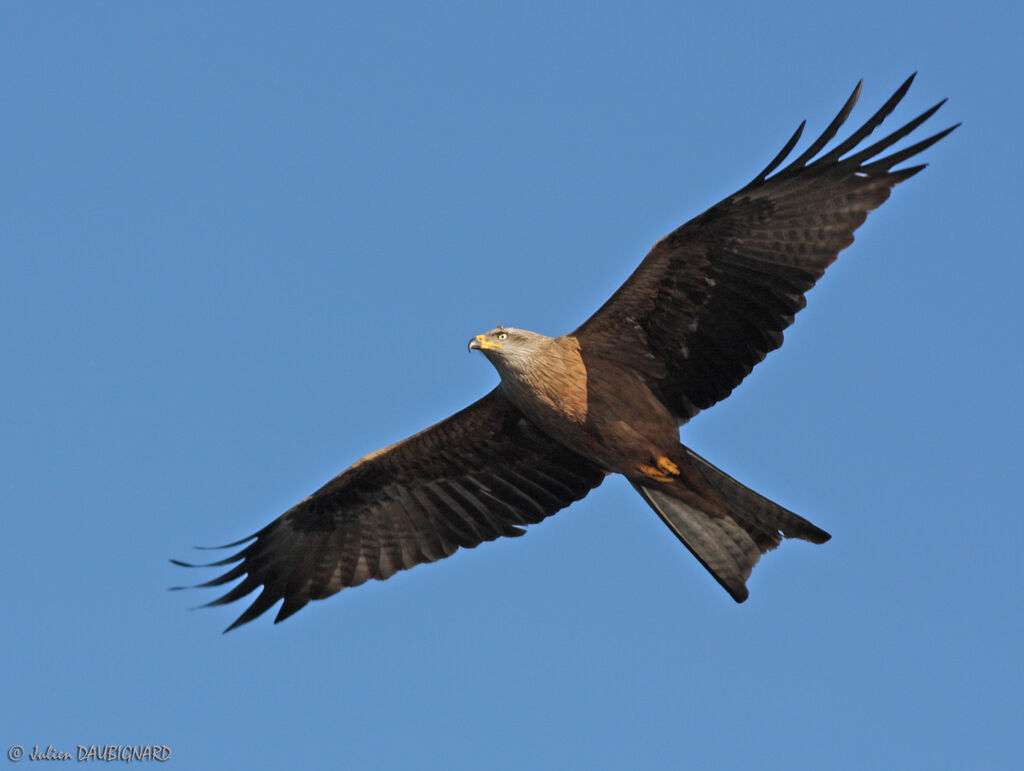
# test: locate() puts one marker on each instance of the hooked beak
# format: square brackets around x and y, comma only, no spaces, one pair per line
[481,343]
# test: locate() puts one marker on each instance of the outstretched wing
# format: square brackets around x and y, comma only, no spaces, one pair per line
[478,475]
[713,297]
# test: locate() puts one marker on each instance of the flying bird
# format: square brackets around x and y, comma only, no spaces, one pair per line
[708,302]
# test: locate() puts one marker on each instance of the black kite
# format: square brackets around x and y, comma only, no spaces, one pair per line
[708,302]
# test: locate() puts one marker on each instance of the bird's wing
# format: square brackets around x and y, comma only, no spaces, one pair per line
[712,298]
[478,475]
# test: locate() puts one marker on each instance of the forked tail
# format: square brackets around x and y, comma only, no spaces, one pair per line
[730,534]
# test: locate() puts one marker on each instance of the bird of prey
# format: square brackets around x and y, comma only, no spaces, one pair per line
[708,302]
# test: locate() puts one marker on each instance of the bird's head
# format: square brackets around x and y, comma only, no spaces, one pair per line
[507,347]
[494,340]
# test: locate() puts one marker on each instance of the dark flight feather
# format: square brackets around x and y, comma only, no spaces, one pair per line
[713,297]
[481,474]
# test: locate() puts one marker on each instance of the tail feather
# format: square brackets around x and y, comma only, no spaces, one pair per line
[728,545]
[754,511]
[723,547]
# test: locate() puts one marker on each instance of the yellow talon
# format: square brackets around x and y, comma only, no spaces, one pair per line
[668,466]
[655,472]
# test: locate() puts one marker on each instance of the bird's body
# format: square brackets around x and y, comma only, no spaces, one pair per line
[599,409]
[608,413]
[709,301]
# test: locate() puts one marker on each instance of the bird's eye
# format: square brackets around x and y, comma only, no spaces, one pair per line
[502,335]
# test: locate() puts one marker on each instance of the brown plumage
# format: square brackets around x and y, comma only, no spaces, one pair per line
[708,302]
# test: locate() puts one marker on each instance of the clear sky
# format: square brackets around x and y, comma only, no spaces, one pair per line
[244,244]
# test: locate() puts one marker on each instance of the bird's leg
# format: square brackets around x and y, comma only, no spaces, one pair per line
[663,470]
[667,466]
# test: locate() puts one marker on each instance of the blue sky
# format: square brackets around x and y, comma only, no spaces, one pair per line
[244,244]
